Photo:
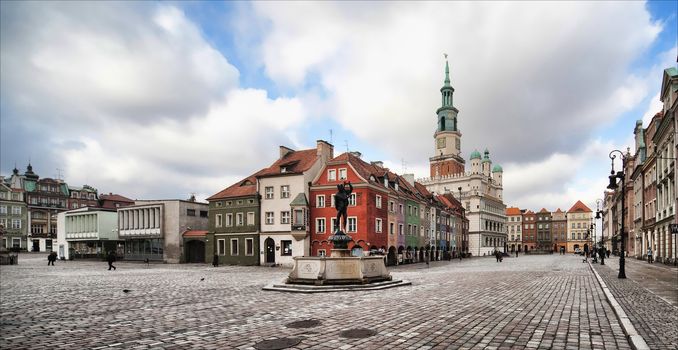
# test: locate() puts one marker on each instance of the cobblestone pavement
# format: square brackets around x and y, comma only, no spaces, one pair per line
[649,296]
[537,302]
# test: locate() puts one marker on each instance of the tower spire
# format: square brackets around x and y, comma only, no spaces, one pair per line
[447,72]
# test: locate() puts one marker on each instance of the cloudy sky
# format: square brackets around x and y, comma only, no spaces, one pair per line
[164,99]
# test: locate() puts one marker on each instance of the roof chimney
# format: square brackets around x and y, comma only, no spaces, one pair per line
[409,178]
[285,151]
[325,149]
[356,154]
[378,163]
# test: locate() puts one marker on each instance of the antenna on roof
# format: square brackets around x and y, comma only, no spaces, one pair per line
[331,137]
[346,144]
[59,174]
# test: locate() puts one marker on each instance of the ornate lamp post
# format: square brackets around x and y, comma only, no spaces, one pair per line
[613,186]
[599,215]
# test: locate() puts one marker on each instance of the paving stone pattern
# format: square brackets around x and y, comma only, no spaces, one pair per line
[653,316]
[536,302]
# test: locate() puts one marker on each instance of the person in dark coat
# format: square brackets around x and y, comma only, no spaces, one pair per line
[516,253]
[51,258]
[215,260]
[111,260]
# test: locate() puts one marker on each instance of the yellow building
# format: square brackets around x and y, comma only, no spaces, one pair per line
[578,224]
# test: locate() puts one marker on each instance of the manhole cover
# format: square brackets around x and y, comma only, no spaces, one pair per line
[310,323]
[357,333]
[277,344]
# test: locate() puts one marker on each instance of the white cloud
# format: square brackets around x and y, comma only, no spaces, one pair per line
[96,61]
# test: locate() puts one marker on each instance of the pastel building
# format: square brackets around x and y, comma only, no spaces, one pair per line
[88,233]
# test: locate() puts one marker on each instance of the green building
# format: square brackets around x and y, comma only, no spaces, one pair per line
[13,218]
[233,232]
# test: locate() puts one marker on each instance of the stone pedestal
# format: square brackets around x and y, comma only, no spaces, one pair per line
[340,268]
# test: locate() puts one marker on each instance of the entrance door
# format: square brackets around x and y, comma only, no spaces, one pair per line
[270,250]
[195,251]
[36,245]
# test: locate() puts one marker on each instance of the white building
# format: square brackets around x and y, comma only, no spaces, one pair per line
[480,190]
[284,188]
[87,233]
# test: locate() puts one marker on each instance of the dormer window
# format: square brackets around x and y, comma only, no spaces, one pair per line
[283,169]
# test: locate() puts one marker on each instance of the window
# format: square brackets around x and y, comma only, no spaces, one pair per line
[218,221]
[321,252]
[286,247]
[331,175]
[250,218]
[378,201]
[16,242]
[400,208]
[342,174]
[333,223]
[409,229]
[229,220]
[218,204]
[16,223]
[234,246]
[400,229]
[284,217]
[240,219]
[320,225]
[285,191]
[391,206]
[16,210]
[320,201]
[249,246]
[390,227]
[221,247]
[190,212]
[3,209]
[351,200]
[378,226]
[352,224]
[269,218]
[269,192]
[203,213]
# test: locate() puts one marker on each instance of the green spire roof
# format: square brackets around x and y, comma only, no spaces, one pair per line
[487,156]
[447,73]
[475,155]
[497,169]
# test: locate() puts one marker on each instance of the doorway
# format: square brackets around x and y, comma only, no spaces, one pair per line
[36,245]
[195,251]
[270,250]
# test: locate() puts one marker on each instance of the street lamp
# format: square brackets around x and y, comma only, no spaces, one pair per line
[599,215]
[613,186]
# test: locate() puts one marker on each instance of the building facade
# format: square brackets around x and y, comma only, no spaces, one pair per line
[13,218]
[285,191]
[579,219]
[88,233]
[559,230]
[514,232]
[234,221]
[153,229]
[544,227]
[480,189]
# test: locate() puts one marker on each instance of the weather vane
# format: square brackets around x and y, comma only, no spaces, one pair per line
[444,54]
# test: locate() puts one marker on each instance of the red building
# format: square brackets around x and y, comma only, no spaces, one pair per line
[113,201]
[367,210]
[529,231]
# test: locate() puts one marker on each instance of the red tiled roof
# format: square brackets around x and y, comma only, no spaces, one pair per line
[244,187]
[579,206]
[115,197]
[195,233]
[294,162]
[559,211]
[513,211]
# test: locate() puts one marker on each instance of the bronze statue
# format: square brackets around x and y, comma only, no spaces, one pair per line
[341,204]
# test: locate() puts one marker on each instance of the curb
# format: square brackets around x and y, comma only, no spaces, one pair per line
[636,340]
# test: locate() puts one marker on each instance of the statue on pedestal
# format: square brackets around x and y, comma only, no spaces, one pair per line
[341,203]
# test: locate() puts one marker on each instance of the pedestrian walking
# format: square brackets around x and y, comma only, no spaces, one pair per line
[516,253]
[601,252]
[649,256]
[51,258]
[607,252]
[459,256]
[111,260]
[215,260]
[428,258]
[586,253]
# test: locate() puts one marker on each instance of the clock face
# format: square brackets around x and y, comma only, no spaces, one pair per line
[441,142]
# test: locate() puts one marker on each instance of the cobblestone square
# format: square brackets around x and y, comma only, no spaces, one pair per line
[541,302]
